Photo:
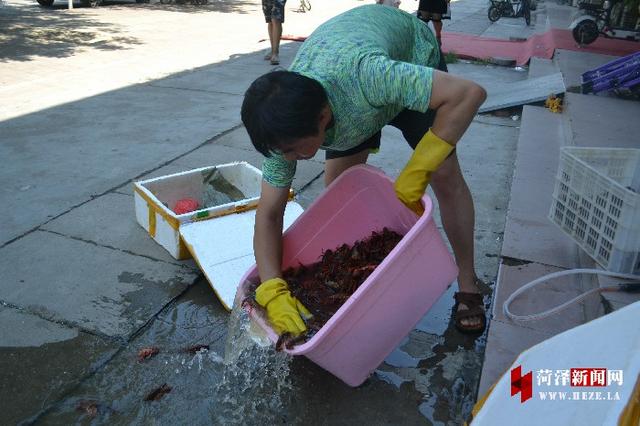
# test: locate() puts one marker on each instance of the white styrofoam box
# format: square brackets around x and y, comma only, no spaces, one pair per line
[220,237]
[596,201]
[155,198]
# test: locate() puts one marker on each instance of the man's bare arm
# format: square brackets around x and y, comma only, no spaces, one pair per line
[267,240]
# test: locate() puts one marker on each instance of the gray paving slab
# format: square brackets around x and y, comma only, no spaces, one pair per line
[540,298]
[598,121]
[41,361]
[496,145]
[538,145]
[234,77]
[507,28]
[123,232]
[504,343]
[572,64]
[491,77]
[529,235]
[559,15]
[539,67]
[96,288]
[527,239]
[89,151]
[476,23]
[524,92]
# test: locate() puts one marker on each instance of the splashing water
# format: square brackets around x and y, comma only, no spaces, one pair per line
[255,386]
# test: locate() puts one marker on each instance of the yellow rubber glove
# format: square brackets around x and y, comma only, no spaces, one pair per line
[429,154]
[284,311]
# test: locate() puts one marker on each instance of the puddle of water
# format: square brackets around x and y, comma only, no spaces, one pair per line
[398,358]
[391,378]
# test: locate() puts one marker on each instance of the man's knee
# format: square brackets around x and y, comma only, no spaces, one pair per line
[448,89]
[448,179]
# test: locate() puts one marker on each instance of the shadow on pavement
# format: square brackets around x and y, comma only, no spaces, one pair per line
[222,6]
[34,31]
[29,32]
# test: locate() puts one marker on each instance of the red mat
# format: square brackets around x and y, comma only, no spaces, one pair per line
[540,46]
[287,37]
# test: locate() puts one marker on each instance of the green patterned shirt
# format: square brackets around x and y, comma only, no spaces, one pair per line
[373,61]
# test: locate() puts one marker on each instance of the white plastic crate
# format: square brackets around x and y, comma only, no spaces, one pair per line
[596,201]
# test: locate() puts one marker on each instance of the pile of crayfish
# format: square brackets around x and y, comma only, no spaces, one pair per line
[324,286]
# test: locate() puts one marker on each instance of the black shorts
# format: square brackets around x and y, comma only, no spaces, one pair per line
[273,9]
[412,124]
[433,6]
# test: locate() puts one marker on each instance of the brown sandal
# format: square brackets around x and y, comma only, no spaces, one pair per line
[475,308]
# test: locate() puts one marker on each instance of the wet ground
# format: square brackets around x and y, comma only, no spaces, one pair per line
[429,377]
[70,347]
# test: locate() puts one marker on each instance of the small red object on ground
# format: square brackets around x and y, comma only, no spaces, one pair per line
[186,205]
[90,408]
[146,353]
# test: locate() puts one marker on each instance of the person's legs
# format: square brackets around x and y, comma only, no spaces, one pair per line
[455,201]
[267,10]
[458,219]
[275,35]
[269,54]
[436,18]
[275,31]
[432,10]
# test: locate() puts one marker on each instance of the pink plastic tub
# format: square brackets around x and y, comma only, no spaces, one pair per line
[374,320]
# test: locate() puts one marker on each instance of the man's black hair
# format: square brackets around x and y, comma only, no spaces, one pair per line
[280,107]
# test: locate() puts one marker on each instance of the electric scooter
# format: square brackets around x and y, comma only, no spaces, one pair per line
[510,9]
[602,19]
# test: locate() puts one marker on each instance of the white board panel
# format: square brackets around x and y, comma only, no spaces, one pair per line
[505,95]
[223,248]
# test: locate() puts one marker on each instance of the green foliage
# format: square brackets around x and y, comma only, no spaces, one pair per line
[482,61]
[451,57]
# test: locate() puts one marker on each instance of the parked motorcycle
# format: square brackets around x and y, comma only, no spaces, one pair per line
[606,19]
[510,9]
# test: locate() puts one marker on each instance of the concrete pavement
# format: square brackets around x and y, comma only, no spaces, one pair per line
[150,91]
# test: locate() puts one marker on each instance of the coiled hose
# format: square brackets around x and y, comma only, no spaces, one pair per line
[635,280]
